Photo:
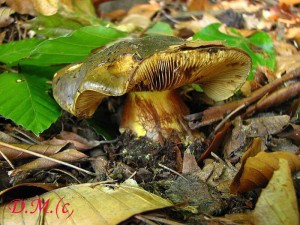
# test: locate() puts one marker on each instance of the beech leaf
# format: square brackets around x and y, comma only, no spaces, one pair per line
[90,203]
[33,108]
[258,170]
[73,47]
[277,203]
[259,45]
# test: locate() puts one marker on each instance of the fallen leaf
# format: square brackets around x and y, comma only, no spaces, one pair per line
[291,132]
[189,164]
[13,154]
[277,203]
[197,5]
[5,18]
[46,8]
[245,130]
[252,151]
[69,155]
[90,203]
[76,140]
[22,6]
[258,170]
[217,175]
[289,2]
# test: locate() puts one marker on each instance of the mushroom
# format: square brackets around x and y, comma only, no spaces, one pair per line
[150,69]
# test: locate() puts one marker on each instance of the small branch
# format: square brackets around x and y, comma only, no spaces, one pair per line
[217,113]
[173,171]
[7,160]
[45,157]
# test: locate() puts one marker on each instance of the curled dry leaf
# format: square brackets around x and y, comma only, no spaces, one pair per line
[258,170]
[289,2]
[277,203]
[88,203]
[22,6]
[74,139]
[5,18]
[50,7]
[13,154]
[69,155]
[189,164]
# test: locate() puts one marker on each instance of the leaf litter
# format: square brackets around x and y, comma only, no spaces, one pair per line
[259,147]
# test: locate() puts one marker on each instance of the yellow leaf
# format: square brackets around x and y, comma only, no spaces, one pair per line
[91,203]
[277,204]
[258,170]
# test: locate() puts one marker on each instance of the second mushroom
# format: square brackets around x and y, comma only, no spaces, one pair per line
[149,70]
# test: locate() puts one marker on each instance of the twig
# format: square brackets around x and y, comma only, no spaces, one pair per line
[132,175]
[145,220]
[7,160]
[220,160]
[67,173]
[162,220]
[33,141]
[220,125]
[216,113]
[45,157]
[173,171]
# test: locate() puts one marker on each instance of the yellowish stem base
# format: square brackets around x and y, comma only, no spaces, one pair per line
[156,115]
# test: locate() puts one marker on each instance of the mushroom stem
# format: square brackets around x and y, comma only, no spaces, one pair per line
[156,115]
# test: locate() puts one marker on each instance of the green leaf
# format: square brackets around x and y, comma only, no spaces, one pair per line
[16,50]
[70,16]
[72,48]
[259,45]
[160,28]
[26,101]
[197,87]
[54,26]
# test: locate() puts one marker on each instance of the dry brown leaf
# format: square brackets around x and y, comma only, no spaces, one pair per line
[287,63]
[198,5]
[47,7]
[5,18]
[76,140]
[277,203]
[69,155]
[258,170]
[88,203]
[289,2]
[4,137]
[51,7]
[291,132]
[189,164]
[136,20]
[147,10]
[41,149]
[22,6]
[252,151]
[197,24]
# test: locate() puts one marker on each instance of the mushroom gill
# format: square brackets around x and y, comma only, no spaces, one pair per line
[149,69]
[219,70]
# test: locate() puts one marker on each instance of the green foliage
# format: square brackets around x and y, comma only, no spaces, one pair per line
[25,97]
[160,28]
[70,16]
[71,48]
[25,100]
[54,26]
[259,45]
[14,51]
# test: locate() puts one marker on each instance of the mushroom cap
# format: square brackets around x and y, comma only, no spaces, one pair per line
[154,63]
